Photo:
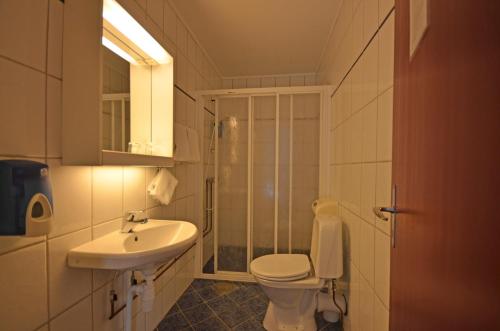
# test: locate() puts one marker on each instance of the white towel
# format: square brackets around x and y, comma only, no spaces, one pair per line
[194,145]
[181,143]
[162,187]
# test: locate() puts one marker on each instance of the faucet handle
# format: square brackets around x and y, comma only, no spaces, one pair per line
[135,216]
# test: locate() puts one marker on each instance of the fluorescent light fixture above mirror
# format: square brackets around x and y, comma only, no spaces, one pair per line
[122,21]
[117,50]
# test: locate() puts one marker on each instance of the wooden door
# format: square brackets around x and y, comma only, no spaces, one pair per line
[445,268]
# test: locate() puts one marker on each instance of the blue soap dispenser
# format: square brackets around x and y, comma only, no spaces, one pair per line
[25,198]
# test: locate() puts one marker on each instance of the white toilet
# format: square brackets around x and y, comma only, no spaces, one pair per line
[293,281]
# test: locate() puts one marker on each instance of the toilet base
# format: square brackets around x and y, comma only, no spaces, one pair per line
[300,317]
[278,319]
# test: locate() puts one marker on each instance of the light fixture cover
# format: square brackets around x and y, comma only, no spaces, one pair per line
[117,50]
[128,26]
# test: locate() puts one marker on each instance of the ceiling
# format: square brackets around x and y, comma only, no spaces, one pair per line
[261,37]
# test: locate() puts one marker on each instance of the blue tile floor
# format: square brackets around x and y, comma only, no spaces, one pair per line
[220,305]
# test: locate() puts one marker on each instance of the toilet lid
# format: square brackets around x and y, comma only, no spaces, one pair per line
[284,267]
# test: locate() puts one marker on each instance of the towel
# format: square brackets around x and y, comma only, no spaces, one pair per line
[194,145]
[162,187]
[181,143]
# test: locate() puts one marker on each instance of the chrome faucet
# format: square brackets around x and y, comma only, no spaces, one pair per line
[131,219]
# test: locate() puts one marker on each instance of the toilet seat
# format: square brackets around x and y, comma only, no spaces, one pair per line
[281,267]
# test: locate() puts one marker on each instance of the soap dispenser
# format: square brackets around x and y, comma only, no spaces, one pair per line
[25,198]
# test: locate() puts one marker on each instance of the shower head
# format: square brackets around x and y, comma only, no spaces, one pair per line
[220,127]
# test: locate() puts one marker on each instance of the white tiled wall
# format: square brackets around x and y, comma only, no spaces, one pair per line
[270,81]
[359,62]
[305,168]
[37,289]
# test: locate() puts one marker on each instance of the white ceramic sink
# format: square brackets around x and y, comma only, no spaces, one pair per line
[155,242]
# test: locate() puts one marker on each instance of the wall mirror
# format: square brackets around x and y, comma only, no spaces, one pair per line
[137,87]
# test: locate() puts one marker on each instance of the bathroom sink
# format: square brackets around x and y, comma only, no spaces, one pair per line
[150,244]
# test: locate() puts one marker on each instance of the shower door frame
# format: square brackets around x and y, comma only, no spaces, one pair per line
[324,92]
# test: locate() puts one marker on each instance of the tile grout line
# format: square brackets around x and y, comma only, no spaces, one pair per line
[26,246]
[358,57]
[122,169]
[4,57]
[70,232]
[92,290]
[205,302]
[73,305]
[361,163]
[92,202]
[216,315]
[21,156]
[250,317]
[377,120]
[358,110]
[372,288]
[182,313]
[47,255]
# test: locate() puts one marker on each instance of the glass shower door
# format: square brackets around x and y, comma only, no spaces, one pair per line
[232,183]
[267,176]
[284,180]
[264,174]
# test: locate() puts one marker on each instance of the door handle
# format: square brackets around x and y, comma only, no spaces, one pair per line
[378,211]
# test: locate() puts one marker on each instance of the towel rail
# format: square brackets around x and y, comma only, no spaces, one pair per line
[209,206]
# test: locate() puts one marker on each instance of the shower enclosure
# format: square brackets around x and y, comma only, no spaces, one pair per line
[262,169]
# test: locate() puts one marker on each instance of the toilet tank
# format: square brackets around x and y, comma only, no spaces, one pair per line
[326,241]
[325,206]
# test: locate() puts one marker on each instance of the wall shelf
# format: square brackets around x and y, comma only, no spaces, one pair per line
[121,158]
